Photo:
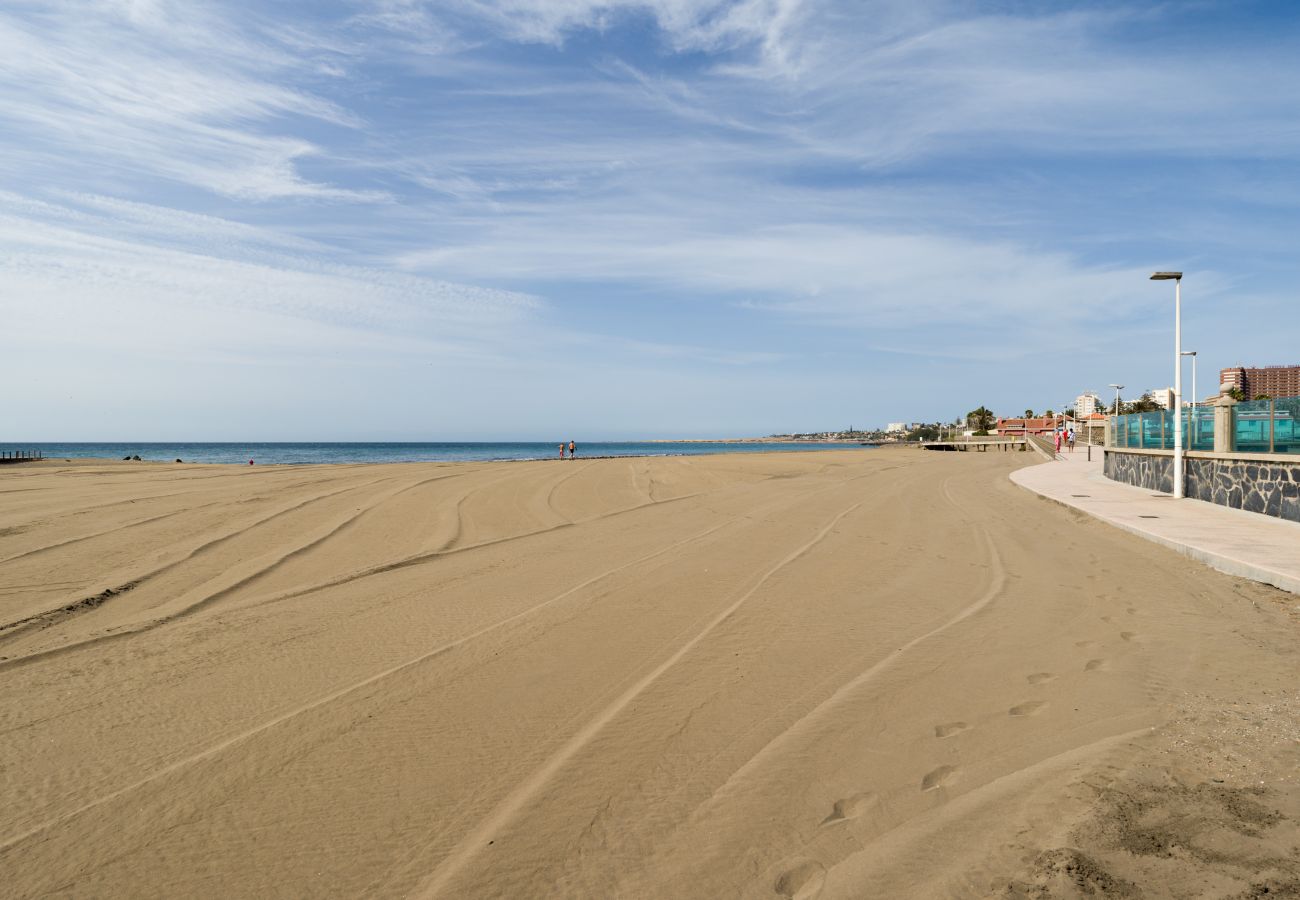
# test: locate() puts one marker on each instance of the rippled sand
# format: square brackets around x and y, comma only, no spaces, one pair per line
[878,673]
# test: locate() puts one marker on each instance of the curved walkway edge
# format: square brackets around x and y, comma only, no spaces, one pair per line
[1248,545]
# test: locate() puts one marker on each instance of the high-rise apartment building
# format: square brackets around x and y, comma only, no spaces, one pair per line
[1275,381]
[1163,396]
[1086,404]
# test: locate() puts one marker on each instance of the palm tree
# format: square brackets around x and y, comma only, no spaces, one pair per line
[980,419]
[1029,414]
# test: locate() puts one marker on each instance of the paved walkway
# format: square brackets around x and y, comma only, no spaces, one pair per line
[1249,545]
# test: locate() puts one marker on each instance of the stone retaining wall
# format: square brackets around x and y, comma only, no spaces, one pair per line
[1261,487]
[1142,470]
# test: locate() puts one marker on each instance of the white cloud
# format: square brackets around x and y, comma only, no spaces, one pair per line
[160,90]
[80,277]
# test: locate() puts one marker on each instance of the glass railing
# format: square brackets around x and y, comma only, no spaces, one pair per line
[1261,426]
[1268,426]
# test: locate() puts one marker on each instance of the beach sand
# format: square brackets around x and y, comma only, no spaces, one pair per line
[876,673]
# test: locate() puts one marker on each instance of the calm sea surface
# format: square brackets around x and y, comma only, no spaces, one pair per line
[301,454]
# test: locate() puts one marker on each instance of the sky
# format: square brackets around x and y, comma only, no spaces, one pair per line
[612,219]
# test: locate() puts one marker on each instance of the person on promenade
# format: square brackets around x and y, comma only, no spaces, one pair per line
[573,448]
[1070,438]
[1056,435]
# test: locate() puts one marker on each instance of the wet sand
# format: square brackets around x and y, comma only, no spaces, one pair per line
[875,673]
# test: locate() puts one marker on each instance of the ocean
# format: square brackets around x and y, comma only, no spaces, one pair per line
[277,453]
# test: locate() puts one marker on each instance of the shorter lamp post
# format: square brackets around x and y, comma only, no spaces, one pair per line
[1114,438]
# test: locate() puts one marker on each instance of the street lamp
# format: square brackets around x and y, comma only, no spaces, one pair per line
[1177,279]
[1114,429]
[1195,433]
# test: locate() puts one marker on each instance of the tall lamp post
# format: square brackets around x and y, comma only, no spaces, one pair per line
[1114,438]
[1192,405]
[1177,279]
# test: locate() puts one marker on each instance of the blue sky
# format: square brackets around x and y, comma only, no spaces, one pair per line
[527,219]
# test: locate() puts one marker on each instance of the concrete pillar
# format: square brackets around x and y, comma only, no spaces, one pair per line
[1225,421]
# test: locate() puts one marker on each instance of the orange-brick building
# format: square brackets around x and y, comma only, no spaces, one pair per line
[1035,425]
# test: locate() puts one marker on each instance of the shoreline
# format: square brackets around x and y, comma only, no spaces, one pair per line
[791,447]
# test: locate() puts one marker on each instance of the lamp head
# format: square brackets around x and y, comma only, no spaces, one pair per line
[1166,276]
[1188,353]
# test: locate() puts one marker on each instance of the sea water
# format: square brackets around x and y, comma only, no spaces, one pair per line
[272,453]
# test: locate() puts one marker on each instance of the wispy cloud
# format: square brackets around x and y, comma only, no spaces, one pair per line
[163,90]
[104,269]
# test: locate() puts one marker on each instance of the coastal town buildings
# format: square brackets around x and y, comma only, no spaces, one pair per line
[1019,427]
[893,427]
[1163,396]
[1092,428]
[1086,404]
[1273,381]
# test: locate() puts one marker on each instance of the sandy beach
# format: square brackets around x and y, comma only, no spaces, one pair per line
[846,674]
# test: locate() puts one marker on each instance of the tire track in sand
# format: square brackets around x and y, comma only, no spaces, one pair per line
[241,737]
[434,555]
[114,530]
[470,845]
[807,723]
[347,524]
[67,610]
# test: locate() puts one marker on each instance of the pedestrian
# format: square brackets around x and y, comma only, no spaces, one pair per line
[561,450]
[1071,440]
[573,448]
[1057,435]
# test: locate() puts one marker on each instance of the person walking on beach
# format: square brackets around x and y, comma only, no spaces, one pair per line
[561,450]
[573,448]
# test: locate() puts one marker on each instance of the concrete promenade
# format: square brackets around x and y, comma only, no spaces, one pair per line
[1248,545]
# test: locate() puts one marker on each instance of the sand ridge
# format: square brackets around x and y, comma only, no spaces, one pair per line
[835,673]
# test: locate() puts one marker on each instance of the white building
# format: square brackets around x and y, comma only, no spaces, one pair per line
[1163,396]
[1086,404]
[896,426]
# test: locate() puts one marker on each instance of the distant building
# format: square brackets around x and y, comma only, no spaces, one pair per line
[1276,381]
[1092,428]
[893,427]
[1018,427]
[1086,404]
[1163,396]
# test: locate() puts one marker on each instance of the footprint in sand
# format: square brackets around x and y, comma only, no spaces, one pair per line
[948,729]
[802,882]
[1106,619]
[938,778]
[1040,677]
[850,808]
[1096,665]
[1131,611]
[1127,635]
[1032,708]
[1085,643]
